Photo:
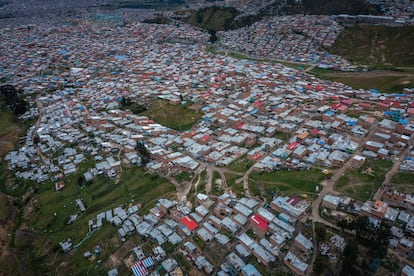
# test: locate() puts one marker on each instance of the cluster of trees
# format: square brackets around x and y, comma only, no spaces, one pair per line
[136,108]
[374,239]
[143,153]
[10,97]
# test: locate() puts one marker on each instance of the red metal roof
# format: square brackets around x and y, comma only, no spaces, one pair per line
[293,145]
[258,220]
[189,223]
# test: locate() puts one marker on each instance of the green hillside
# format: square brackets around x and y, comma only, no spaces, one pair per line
[331,7]
[213,18]
[377,46]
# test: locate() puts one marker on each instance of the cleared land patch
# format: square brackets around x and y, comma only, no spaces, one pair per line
[177,117]
[285,181]
[385,81]
[363,183]
[404,181]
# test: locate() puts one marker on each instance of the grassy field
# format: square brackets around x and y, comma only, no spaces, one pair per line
[235,187]
[363,183]
[386,81]
[54,208]
[10,129]
[7,122]
[287,182]
[403,181]
[173,116]
[240,165]
[376,45]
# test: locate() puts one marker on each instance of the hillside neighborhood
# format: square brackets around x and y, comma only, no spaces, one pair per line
[252,123]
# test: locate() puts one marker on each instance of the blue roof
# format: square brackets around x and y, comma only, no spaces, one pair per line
[139,269]
[403,121]
[148,262]
[250,270]
[373,90]
[121,57]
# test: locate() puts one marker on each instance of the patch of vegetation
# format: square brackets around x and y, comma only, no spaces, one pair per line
[177,117]
[201,188]
[320,231]
[55,208]
[287,181]
[403,182]
[4,209]
[213,18]
[184,176]
[136,108]
[183,262]
[215,189]
[7,122]
[158,20]
[235,187]
[200,243]
[391,263]
[330,7]
[149,4]
[240,165]
[282,136]
[361,184]
[321,264]
[10,97]
[385,81]
[376,45]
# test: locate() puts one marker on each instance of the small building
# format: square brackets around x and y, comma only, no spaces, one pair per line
[189,223]
[259,225]
[250,270]
[295,264]
[357,162]
[407,271]
[303,243]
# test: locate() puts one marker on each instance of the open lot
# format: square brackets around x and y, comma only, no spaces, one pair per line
[403,181]
[177,117]
[363,183]
[385,81]
[286,181]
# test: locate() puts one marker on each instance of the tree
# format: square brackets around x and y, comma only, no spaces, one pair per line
[320,265]
[12,99]
[320,231]
[143,152]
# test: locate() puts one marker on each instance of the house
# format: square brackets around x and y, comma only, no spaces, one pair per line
[331,201]
[295,264]
[259,225]
[407,271]
[189,223]
[357,161]
[303,243]
[250,270]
